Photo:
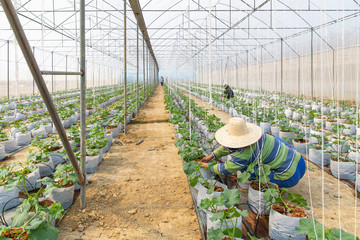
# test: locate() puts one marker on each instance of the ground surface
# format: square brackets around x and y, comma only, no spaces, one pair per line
[139,191]
[338,202]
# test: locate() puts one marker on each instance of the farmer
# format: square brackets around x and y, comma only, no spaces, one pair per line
[162,81]
[228,92]
[246,143]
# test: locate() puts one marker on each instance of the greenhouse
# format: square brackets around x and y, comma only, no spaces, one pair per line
[186,119]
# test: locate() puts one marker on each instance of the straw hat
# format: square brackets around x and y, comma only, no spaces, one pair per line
[237,133]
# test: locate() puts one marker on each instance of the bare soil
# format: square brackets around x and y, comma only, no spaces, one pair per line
[139,191]
[15,233]
[294,212]
[339,199]
[255,185]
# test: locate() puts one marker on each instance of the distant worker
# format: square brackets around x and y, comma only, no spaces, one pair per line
[162,81]
[246,143]
[228,92]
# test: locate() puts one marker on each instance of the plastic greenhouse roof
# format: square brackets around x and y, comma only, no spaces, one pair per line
[234,27]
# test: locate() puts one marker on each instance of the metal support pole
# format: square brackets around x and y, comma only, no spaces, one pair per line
[137,65]
[14,21]
[33,83]
[154,74]
[147,72]
[282,66]
[333,74]
[66,69]
[312,62]
[299,75]
[82,103]
[52,69]
[125,70]
[247,69]
[8,70]
[261,70]
[144,87]
[237,71]
[77,81]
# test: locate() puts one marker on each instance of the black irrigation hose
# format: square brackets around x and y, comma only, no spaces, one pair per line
[3,220]
[47,166]
[32,187]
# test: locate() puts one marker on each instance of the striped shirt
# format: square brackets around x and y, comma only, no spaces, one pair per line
[269,150]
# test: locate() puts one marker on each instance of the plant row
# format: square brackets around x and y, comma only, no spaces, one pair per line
[38,123]
[47,181]
[223,206]
[324,132]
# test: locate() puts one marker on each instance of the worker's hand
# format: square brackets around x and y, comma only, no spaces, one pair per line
[206,159]
[204,165]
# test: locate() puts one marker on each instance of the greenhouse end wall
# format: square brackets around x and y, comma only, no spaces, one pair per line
[340,82]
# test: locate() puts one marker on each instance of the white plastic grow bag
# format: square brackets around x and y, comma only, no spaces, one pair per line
[48,128]
[283,135]
[217,223]
[355,156]
[265,127]
[40,132]
[297,116]
[101,154]
[57,157]
[343,170]
[115,131]
[66,123]
[31,181]
[282,227]
[257,202]
[92,163]
[202,192]
[19,116]
[275,131]
[316,156]
[65,196]
[301,147]
[9,118]
[110,138]
[45,168]
[10,198]
[2,153]
[10,145]
[23,139]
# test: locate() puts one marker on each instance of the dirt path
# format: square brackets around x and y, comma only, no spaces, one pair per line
[139,191]
[313,177]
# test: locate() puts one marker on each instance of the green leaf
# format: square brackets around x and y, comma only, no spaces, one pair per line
[215,234]
[21,214]
[189,167]
[231,197]
[298,199]
[271,194]
[34,224]
[211,188]
[341,234]
[254,238]
[244,176]
[307,226]
[233,232]
[46,181]
[44,231]
[194,180]
[56,211]
[217,215]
